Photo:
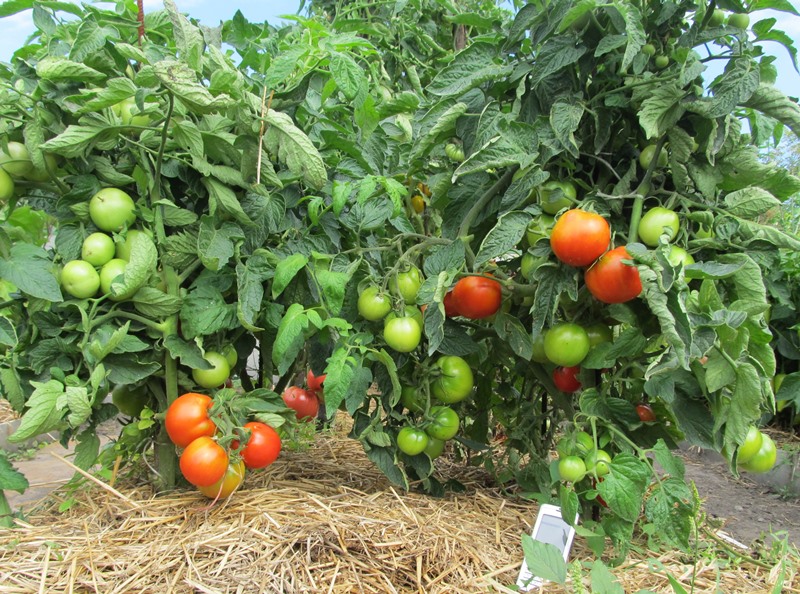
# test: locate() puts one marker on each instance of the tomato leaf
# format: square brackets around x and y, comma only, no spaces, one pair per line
[437,123]
[29,268]
[290,338]
[78,404]
[623,487]
[511,330]
[603,581]
[285,272]
[291,145]
[87,449]
[44,411]
[634,31]
[188,38]
[59,69]
[544,560]
[8,334]
[661,110]
[349,76]
[10,478]
[503,237]
[670,510]
[471,67]
[187,352]
[156,304]
[125,369]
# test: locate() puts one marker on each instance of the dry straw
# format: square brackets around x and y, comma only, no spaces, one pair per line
[321,520]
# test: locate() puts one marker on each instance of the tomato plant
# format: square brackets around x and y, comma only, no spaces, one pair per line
[263,446]
[750,446]
[187,419]
[314,382]
[739,20]
[597,462]
[566,344]
[649,152]
[15,159]
[645,412]
[304,403]
[612,280]
[412,441]
[764,459]
[203,462]
[579,237]
[130,400]
[6,185]
[555,196]
[228,484]
[454,381]
[477,297]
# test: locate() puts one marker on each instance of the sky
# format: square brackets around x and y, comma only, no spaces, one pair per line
[17,28]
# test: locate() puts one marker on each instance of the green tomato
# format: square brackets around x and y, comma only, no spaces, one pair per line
[584,443]
[566,344]
[751,445]
[402,334]
[16,159]
[557,195]
[678,255]
[412,399]
[230,354]
[656,222]
[123,248]
[110,271]
[649,50]
[571,469]
[703,232]
[372,305]
[129,113]
[455,381]
[216,376]
[717,18]
[6,185]
[539,354]
[739,20]
[444,423]
[130,400]
[406,284]
[599,333]
[764,459]
[97,249]
[112,210]
[80,279]
[409,311]
[598,462]
[42,175]
[661,62]
[647,154]
[539,228]
[529,264]
[434,448]
[412,441]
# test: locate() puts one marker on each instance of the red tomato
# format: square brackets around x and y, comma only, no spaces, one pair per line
[203,462]
[450,305]
[477,297]
[579,237]
[645,412]
[612,281]
[314,382]
[566,379]
[187,419]
[262,448]
[304,403]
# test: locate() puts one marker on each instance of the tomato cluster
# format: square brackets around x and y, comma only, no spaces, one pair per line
[206,462]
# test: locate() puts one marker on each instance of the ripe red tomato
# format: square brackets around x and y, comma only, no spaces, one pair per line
[229,482]
[187,419]
[612,281]
[566,379]
[412,441]
[203,462]
[450,305]
[645,412]
[477,297]
[579,237]
[304,403]
[314,382]
[262,448]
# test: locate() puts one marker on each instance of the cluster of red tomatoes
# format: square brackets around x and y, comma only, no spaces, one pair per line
[305,402]
[214,470]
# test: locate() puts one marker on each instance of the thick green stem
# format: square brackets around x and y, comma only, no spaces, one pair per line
[499,186]
[638,202]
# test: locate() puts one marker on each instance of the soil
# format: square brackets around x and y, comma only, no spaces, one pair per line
[751,513]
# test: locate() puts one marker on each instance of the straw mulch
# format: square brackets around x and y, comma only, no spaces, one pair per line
[319,520]
[6,412]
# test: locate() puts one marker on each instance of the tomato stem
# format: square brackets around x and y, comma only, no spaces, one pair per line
[6,518]
[638,202]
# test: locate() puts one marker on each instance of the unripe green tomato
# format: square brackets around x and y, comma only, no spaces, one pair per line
[648,49]
[110,271]
[599,333]
[739,20]
[764,459]
[230,354]
[123,249]
[539,228]
[434,448]
[678,255]
[216,376]
[557,195]
[656,222]
[372,305]
[16,159]
[130,400]
[407,284]
[412,399]
[661,62]
[97,249]
[571,469]
[717,18]
[529,264]
[412,441]
[6,185]
[566,344]
[584,443]
[703,232]
[647,154]
[750,446]
[598,462]
[80,279]
[409,311]
[402,334]
[538,349]
[125,110]
[41,175]
[112,210]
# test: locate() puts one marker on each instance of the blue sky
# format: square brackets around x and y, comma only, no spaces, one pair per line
[17,28]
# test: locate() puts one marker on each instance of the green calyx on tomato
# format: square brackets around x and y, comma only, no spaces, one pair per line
[406,284]
[648,152]
[477,297]
[455,380]
[187,419]
[580,237]
[566,344]
[444,423]
[216,376]
[656,222]
[402,334]
[557,195]
[373,305]
[611,280]
[412,441]
[571,469]
[112,210]
[80,279]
